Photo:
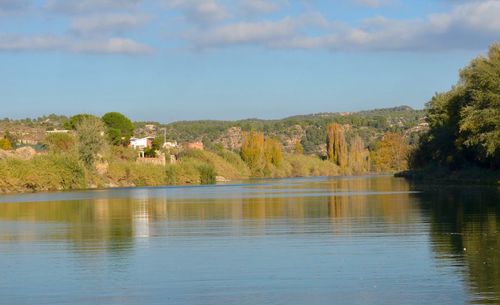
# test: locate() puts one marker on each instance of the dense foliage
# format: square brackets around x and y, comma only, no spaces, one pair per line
[120,128]
[465,121]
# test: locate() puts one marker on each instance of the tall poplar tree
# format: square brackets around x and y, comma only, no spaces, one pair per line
[336,145]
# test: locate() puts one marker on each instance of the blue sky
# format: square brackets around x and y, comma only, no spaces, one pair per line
[168,60]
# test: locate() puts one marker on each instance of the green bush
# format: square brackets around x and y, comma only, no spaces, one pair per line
[43,173]
[207,174]
[171,174]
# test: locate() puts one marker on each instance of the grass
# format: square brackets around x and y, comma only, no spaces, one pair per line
[64,171]
[49,172]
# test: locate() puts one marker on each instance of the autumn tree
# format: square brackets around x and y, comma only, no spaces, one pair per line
[273,152]
[336,145]
[252,150]
[5,144]
[261,153]
[358,156]
[391,153]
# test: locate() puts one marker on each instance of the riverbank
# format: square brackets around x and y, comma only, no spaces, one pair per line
[466,176]
[118,168]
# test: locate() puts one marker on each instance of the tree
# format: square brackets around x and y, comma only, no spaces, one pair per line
[358,156]
[336,145]
[5,144]
[391,153]
[273,152]
[73,122]
[480,116]
[252,150]
[91,141]
[120,128]
[465,121]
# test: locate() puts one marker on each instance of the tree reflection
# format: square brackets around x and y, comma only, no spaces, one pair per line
[465,224]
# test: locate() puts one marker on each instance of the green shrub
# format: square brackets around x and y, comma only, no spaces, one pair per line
[60,142]
[42,173]
[171,174]
[207,174]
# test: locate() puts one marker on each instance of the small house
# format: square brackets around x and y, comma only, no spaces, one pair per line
[141,143]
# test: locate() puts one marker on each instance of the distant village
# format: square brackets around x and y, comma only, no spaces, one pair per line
[27,139]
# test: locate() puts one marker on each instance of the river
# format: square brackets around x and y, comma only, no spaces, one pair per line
[342,240]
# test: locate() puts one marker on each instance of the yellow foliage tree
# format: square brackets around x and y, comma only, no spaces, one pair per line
[391,153]
[336,145]
[260,152]
[252,150]
[272,151]
[5,144]
[359,157]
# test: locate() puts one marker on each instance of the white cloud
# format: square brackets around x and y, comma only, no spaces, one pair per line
[83,6]
[261,6]
[200,11]
[17,42]
[113,22]
[111,46]
[258,32]
[467,26]
[373,3]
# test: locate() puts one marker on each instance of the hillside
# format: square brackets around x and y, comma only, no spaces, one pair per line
[309,129]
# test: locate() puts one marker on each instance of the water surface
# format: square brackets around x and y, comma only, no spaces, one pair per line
[358,240]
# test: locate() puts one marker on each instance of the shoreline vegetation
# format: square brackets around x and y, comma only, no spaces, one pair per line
[95,153]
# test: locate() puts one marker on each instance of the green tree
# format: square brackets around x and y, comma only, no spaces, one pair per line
[120,128]
[91,140]
[73,122]
[480,115]
[465,121]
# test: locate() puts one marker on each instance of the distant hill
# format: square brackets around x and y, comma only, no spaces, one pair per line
[309,129]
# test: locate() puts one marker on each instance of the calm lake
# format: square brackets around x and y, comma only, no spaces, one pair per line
[353,240]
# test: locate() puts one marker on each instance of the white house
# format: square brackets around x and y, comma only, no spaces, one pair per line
[141,143]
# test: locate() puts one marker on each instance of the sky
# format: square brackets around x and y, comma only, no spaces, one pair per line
[170,60]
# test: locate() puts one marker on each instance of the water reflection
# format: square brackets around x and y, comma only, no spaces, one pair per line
[114,220]
[394,240]
[465,225]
